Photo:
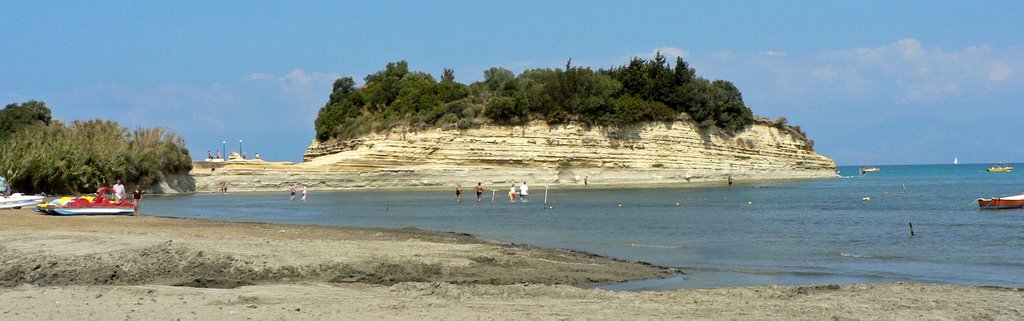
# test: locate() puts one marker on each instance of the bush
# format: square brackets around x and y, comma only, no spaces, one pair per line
[504,110]
[84,155]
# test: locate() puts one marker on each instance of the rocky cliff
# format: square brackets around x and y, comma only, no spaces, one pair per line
[652,153]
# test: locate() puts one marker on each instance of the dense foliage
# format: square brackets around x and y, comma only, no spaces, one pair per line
[84,155]
[17,116]
[643,90]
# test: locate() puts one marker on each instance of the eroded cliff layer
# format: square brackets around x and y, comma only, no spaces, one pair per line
[653,153]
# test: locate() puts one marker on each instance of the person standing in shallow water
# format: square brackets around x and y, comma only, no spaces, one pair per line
[479,192]
[730,181]
[293,191]
[458,193]
[304,191]
[137,197]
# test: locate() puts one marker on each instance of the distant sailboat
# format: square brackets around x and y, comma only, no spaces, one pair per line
[956,161]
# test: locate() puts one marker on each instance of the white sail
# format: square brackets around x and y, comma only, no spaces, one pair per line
[956,161]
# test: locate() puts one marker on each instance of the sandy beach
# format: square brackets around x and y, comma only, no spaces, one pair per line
[107,267]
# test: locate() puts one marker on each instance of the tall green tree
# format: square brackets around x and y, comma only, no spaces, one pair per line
[448,75]
[17,116]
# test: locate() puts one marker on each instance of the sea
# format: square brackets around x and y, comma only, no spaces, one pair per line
[911,223]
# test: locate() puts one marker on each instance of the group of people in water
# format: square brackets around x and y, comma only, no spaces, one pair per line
[305,190]
[524,190]
[523,194]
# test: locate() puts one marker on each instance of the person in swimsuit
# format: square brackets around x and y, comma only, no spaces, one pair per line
[512,193]
[137,197]
[293,192]
[458,193]
[479,192]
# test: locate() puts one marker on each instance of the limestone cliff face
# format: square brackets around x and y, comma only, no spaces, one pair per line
[662,146]
[653,153]
[565,154]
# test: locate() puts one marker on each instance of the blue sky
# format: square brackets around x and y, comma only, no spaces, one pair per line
[871,82]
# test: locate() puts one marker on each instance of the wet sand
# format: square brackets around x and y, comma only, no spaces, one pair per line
[113,267]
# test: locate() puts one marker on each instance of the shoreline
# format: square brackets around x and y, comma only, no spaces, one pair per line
[142,267]
[268,177]
[534,188]
[224,253]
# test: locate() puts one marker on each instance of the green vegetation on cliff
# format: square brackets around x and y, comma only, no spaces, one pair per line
[38,154]
[643,90]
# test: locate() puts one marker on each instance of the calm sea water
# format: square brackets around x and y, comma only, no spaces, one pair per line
[787,233]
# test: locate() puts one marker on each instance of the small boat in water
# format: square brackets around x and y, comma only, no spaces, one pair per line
[1000,168]
[18,200]
[87,205]
[1016,201]
[865,170]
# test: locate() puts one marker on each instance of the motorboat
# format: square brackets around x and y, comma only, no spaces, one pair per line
[1000,168]
[1015,201]
[99,204]
[865,170]
[18,200]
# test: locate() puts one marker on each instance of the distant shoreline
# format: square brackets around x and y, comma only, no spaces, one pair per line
[272,177]
[539,188]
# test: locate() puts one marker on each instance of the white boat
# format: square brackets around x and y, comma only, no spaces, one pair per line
[113,210]
[17,200]
[956,161]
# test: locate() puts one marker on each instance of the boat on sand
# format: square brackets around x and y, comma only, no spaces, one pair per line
[17,200]
[1015,201]
[87,205]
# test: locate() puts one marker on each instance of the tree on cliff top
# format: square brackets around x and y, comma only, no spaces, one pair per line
[17,116]
[643,90]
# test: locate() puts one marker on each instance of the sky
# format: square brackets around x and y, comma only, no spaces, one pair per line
[871,82]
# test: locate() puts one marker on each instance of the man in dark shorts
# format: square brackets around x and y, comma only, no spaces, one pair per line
[479,192]
[458,193]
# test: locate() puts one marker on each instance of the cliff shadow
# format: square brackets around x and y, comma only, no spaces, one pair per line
[174,183]
[629,132]
[708,133]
